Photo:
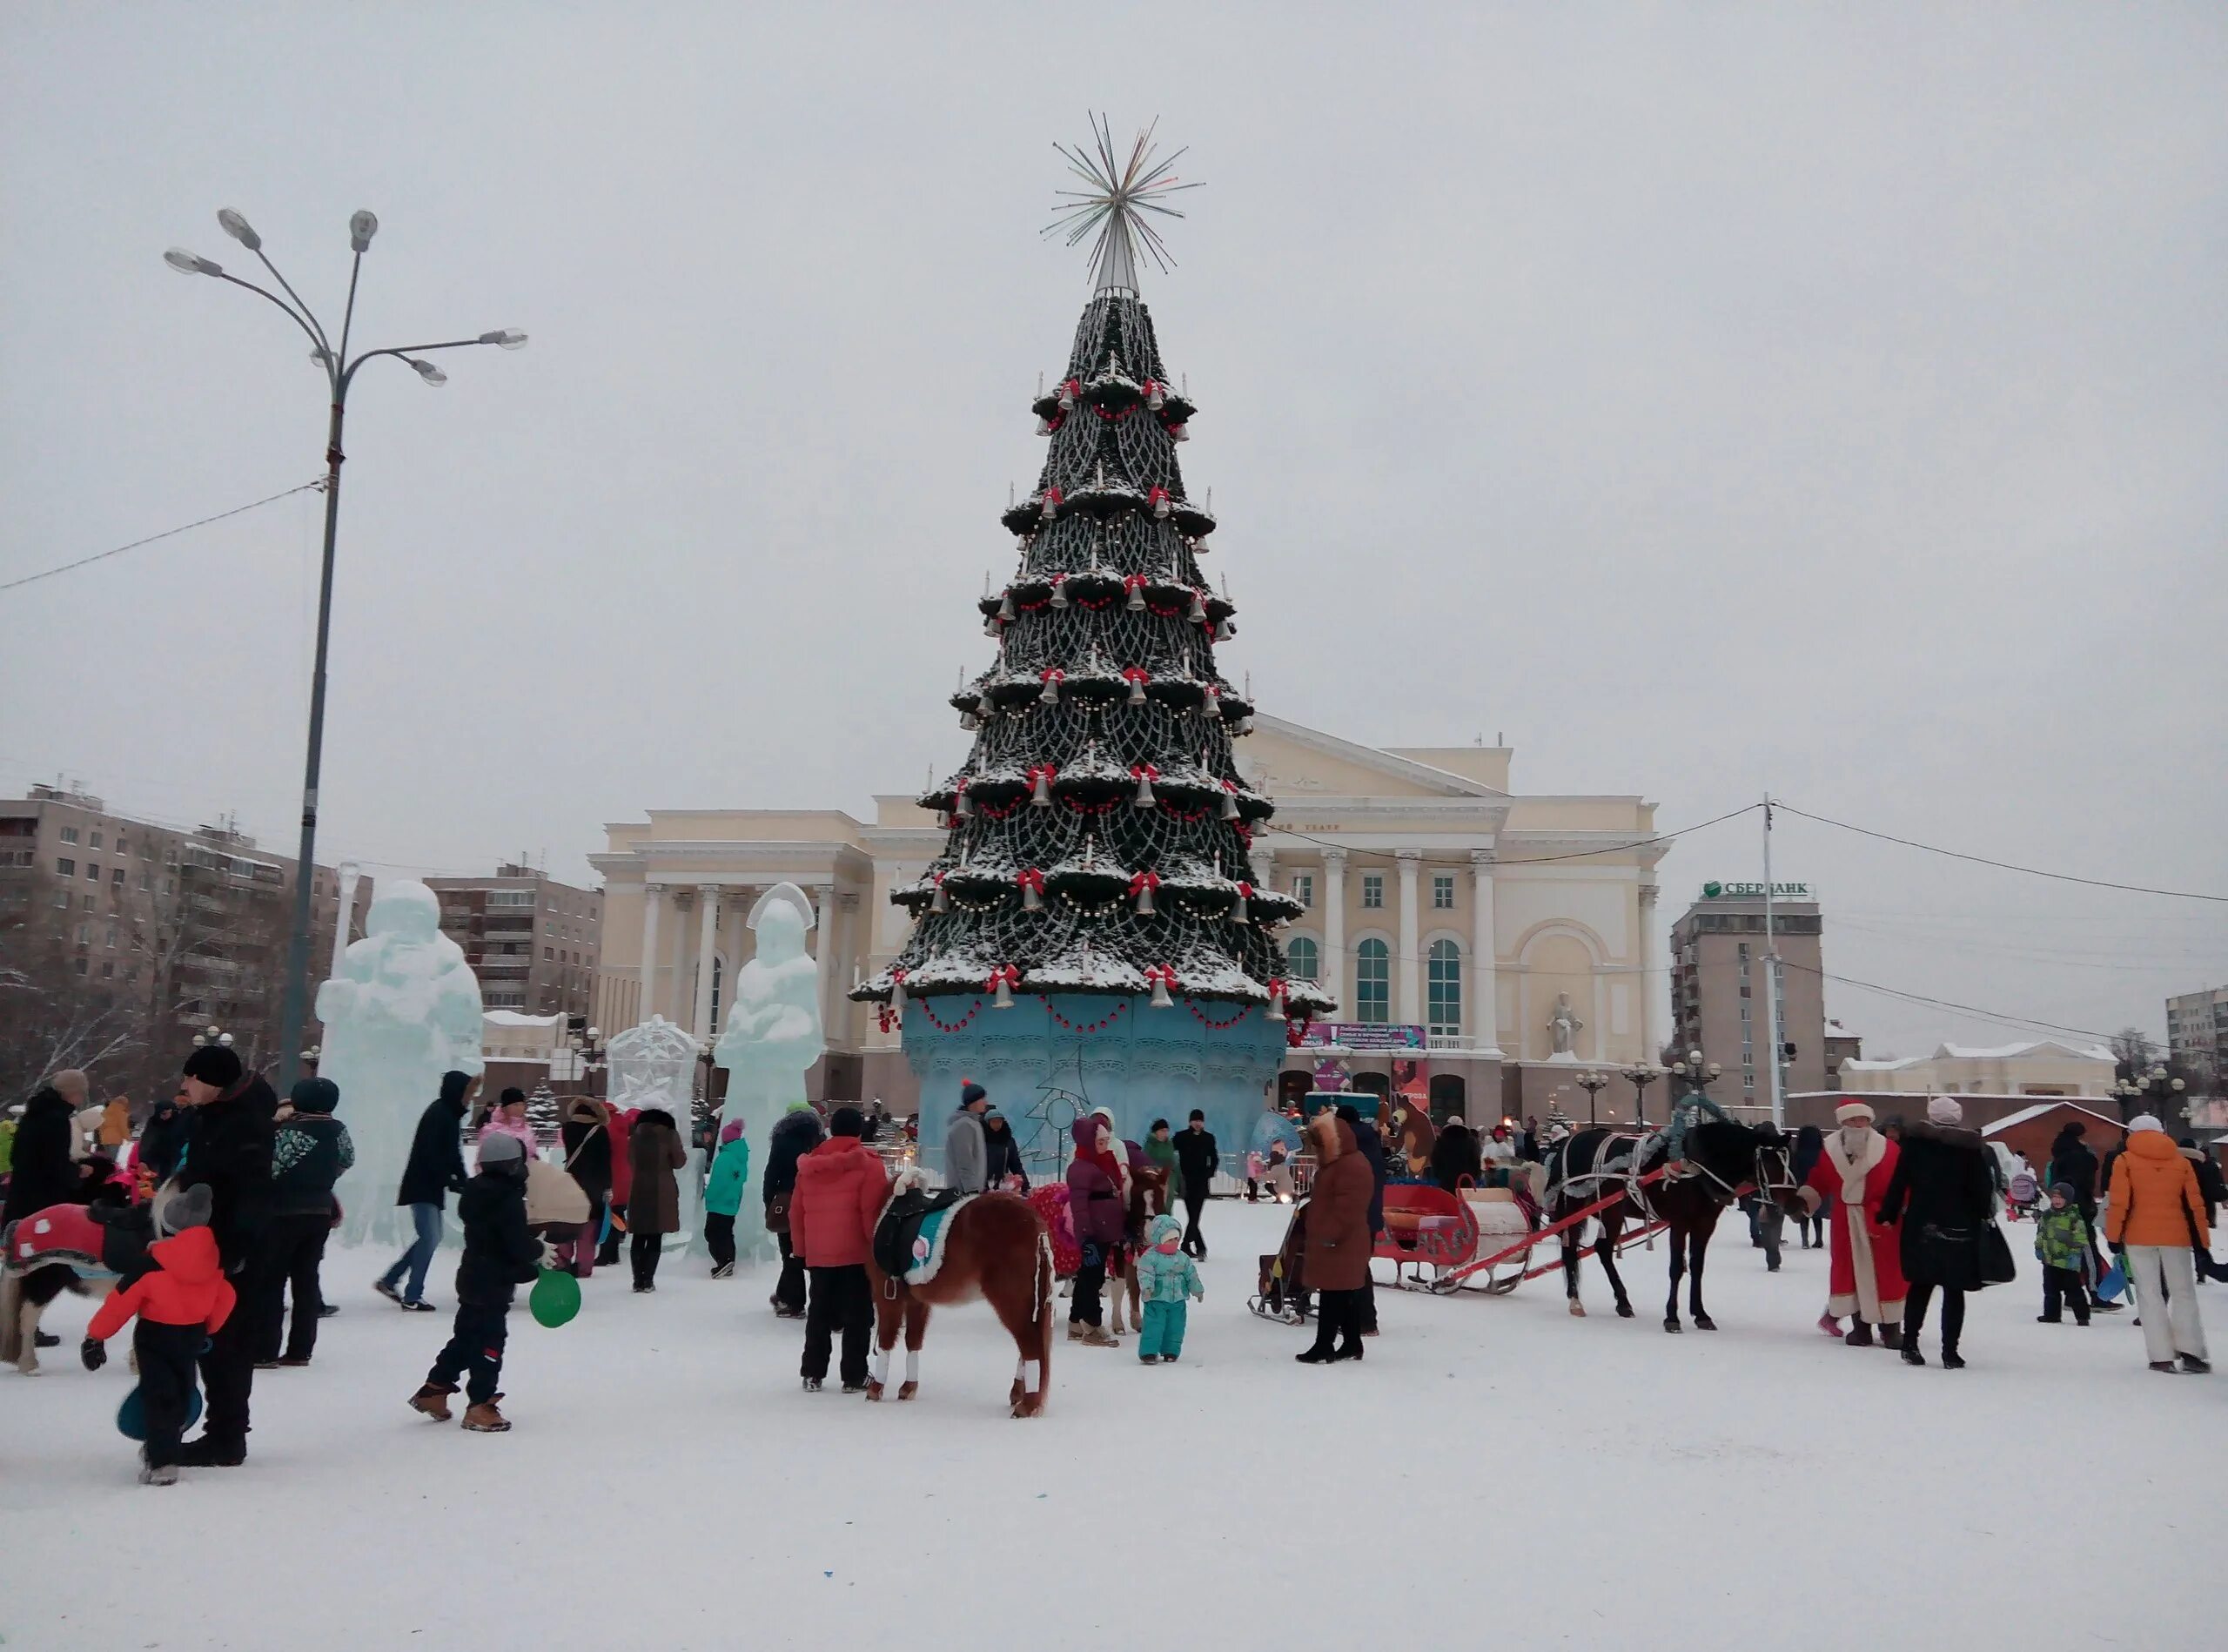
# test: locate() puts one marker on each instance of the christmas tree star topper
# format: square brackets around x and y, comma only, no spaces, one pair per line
[1112,208]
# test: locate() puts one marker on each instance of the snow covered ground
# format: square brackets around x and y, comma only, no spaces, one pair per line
[1495,1472]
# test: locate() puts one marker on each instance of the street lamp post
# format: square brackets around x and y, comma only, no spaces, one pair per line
[340,373]
[2154,1092]
[1696,1076]
[1639,1075]
[1592,1083]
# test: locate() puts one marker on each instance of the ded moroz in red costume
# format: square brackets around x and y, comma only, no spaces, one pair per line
[1850,1177]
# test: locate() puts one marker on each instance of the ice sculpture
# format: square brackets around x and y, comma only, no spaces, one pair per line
[655,1065]
[773,1034]
[402,1010]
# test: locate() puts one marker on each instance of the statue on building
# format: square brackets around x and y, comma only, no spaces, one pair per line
[403,1010]
[1563,1028]
[773,1034]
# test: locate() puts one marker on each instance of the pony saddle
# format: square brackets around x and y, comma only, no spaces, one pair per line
[909,1239]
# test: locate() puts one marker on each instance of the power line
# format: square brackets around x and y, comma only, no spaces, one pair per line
[1982,860]
[1946,1003]
[101,556]
[1534,860]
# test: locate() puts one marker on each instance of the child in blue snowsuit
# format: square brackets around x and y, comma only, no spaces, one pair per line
[1165,1278]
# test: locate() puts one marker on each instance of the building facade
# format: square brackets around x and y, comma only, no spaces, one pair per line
[171,929]
[2039,1067]
[2196,1038]
[1448,915]
[532,940]
[1719,975]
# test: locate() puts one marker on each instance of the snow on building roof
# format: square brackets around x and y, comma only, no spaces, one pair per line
[2010,1052]
[514,1018]
[2025,1114]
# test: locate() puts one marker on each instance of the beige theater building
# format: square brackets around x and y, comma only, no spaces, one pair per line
[1447,914]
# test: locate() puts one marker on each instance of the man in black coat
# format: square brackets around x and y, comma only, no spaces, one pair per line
[1456,1154]
[44,1173]
[308,1156]
[795,1134]
[228,1151]
[434,1168]
[1197,1158]
[162,1139]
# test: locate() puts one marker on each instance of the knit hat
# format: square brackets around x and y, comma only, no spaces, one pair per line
[730,1132]
[213,1064]
[513,1097]
[1196,1114]
[847,1121]
[1853,1112]
[2144,1121]
[1944,1109]
[315,1095]
[970,1093]
[502,1153]
[178,1208]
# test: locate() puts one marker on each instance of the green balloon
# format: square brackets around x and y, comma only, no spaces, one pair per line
[556,1298]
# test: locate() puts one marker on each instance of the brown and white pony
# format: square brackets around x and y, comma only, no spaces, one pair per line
[996,1248]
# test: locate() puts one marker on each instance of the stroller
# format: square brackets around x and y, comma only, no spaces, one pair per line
[1282,1293]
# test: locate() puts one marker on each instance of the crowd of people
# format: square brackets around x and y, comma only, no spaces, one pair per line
[217,1216]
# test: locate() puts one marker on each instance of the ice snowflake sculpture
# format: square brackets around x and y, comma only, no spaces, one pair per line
[773,1034]
[404,1009]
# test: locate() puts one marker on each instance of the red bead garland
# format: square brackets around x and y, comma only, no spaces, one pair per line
[1096,1027]
[1206,1020]
[955,1026]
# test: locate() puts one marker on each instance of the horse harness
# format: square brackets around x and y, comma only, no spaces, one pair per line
[1621,1158]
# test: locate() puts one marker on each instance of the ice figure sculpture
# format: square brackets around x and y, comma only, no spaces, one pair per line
[655,1065]
[402,1010]
[773,1034]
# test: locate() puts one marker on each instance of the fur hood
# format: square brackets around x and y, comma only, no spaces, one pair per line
[1333,1137]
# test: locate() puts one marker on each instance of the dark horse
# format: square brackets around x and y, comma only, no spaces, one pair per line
[1727,1161]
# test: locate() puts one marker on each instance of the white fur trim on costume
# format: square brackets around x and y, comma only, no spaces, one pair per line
[1849,1112]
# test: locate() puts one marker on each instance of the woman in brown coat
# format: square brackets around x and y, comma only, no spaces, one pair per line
[654,1203]
[1337,1265]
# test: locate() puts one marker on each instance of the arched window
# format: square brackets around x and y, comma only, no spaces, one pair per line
[1373,982]
[1445,996]
[1303,960]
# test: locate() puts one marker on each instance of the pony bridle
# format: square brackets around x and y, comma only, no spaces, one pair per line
[1775,1174]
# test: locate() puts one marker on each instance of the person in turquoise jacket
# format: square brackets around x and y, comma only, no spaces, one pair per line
[723,1197]
[1166,1279]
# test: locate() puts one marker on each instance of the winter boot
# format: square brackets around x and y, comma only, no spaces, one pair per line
[1830,1324]
[151,1475]
[1911,1355]
[1076,1329]
[1099,1337]
[432,1399]
[812,1385]
[725,1270]
[2195,1367]
[1860,1337]
[2165,1365]
[484,1419]
[1950,1362]
[210,1452]
[1891,1336]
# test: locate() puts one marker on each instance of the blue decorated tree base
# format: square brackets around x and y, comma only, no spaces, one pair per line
[1049,1060]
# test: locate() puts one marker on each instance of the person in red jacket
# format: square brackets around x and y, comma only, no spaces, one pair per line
[619,1125]
[181,1301]
[840,1190]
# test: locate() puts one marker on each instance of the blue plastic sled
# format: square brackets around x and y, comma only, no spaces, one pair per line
[131,1415]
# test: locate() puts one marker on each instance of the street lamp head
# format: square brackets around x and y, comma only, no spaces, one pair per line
[361,227]
[509,338]
[321,356]
[187,263]
[240,228]
[427,371]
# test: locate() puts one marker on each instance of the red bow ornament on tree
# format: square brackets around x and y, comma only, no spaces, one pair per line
[1032,889]
[1135,584]
[1001,983]
[1161,978]
[1157,498]
[1051,676]
[1137,676]
[1278,992]
[1142,884]
[1146,774]
[1040,777]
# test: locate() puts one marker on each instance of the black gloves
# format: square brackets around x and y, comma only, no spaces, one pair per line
[92,1354]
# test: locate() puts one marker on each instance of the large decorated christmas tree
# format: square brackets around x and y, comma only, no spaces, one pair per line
[1091,931]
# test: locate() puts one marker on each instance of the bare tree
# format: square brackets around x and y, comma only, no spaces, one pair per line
[2135,1050]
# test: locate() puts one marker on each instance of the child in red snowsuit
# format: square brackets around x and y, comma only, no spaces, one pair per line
[181,1301]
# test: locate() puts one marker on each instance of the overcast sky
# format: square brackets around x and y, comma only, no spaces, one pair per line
[1707,398]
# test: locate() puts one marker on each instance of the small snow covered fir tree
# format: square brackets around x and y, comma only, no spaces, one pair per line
[1100,835]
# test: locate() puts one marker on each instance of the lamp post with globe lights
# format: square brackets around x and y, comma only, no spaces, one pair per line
[1592,1083]
[1690,1072]
[1639,1075]
[2154,1092]
[339,370]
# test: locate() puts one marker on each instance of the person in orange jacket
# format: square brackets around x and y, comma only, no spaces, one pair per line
[181,1301]
[2156,1211]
